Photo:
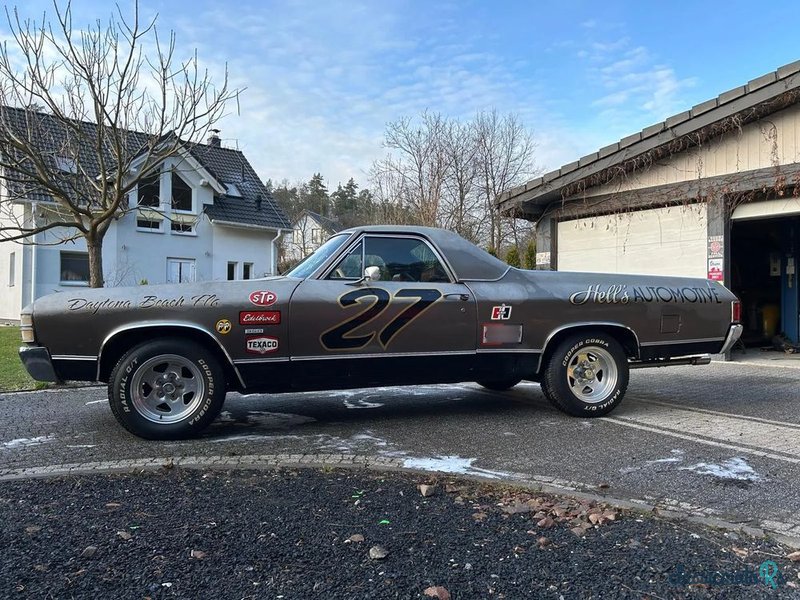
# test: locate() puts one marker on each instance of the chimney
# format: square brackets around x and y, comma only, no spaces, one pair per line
[213,139]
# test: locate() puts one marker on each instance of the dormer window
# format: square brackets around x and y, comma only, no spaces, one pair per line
[150,191]
[67,164]
[233,190]
[181,194]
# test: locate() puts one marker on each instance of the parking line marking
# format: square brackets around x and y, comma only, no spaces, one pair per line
[719,413]
[746,434]
[699,440]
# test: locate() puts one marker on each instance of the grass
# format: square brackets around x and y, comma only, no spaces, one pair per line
[13,375]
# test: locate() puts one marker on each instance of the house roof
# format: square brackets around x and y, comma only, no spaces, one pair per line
[246,199]
[732,109]
[329,225]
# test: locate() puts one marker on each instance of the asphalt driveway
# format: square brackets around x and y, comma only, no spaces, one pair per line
[721,440]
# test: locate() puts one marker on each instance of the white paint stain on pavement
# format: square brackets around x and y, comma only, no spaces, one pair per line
[95,402]
[361,403]
[27,442]
[677,456]
[452,464]
[734,468]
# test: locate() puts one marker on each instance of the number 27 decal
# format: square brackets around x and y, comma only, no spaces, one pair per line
[341,338]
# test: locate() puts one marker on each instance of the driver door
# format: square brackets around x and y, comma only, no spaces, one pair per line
[412,323]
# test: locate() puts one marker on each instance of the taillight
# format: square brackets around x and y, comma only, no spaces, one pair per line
[736,311]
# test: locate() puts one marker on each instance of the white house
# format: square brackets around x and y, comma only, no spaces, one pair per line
[308,232]
[205,216]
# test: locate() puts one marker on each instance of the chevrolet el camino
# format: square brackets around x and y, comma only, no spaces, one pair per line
[373,306]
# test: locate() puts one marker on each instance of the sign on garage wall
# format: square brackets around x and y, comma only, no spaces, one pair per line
[716,251]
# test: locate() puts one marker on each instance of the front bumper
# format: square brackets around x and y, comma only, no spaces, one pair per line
[38,363]
[734,333]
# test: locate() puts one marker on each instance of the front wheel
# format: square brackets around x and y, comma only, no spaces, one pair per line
[587,375]
[166,389]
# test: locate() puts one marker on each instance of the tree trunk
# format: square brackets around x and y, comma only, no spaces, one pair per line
[94,245]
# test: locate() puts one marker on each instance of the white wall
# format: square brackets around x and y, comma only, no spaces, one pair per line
[241,245]
[11,297]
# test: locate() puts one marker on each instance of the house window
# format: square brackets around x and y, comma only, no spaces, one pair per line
[232,270]
[12,269]
[66,164]
[150,190]
[297,236]
[182,227]
[181,194]
[316,236]
[180,270]
[247,271]
[151,225]
[74,267]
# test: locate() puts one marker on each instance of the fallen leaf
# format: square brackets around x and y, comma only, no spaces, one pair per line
[33,529]
[124,535]
[604,486]
[378,553]
[516,508]
[543,541]
[198,554]
[354,539]
[579,531]
[546,523]
[113,505]
[794,557]
[437,591]
[426,490]
[479,516]
[89,552]
[450,488]
[610,515]
[594,518]
[740,552]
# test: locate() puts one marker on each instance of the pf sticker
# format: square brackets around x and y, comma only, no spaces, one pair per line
[261,345]
[263,298]
[223,326]
[501,313]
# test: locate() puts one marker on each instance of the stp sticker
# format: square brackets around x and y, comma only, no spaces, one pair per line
[260,317]
[223,326]
[263,298]
[261,345]
[501,313]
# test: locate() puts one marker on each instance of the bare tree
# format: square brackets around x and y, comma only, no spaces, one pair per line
[505,158]
[86,115]
[461,209]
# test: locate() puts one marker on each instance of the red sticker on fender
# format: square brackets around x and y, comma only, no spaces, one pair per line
[263,298]
[260,317]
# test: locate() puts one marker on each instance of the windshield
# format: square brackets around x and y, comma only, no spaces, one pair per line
[312,262]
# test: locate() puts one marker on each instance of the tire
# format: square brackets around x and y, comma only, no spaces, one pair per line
[587,375]
[499,385]
[166,389]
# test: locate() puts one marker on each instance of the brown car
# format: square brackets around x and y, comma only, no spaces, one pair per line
[374,306]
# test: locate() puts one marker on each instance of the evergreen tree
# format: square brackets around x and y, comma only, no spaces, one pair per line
[317,199]
[512,257]
[529,258]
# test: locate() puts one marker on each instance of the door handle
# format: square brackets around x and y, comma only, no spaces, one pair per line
[462,297]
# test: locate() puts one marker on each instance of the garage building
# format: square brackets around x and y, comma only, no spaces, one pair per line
[710,192]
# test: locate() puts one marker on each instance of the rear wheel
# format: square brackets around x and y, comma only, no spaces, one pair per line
[587,375]
[166,389]
[500,385]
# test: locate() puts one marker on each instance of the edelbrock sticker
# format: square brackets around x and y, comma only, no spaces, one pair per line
[261,345]
[260,317]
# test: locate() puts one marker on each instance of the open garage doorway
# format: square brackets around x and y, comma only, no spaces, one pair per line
[764,276]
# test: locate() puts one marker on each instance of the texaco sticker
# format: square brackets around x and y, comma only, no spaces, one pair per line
[261,345]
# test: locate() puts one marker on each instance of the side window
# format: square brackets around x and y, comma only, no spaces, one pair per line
[350,265]
[404,259]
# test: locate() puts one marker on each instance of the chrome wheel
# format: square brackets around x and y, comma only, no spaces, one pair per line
[592,374]
[167,388]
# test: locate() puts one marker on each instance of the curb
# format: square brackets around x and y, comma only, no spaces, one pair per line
[783,533]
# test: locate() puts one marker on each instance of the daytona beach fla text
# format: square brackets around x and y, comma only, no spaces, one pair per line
[207,300]
[621,294]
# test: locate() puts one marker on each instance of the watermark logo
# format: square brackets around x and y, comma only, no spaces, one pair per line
[767,574]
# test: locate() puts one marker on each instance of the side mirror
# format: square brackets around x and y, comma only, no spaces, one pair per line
[372,273]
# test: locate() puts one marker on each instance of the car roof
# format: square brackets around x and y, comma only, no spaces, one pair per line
[468,261]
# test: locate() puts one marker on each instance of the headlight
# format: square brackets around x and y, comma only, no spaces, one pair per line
[26,328]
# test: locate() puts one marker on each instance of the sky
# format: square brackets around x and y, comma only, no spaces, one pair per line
[321,79]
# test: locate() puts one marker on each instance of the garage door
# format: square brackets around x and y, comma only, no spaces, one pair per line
[660,241]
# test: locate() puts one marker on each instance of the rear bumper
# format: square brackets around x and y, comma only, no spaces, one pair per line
[734,333]
[38,363]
